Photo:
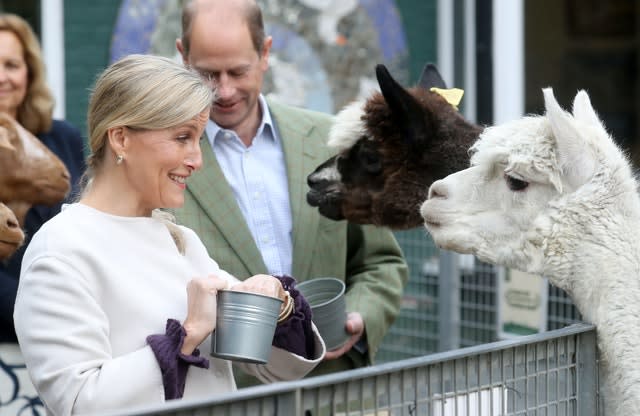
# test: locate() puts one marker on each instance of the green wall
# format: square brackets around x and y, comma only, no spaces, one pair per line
[419,18]
[87,34]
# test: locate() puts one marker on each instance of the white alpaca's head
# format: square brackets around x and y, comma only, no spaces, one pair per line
[499,208]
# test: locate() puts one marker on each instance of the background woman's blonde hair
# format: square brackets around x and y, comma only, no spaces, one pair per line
[143,92]
[35,113]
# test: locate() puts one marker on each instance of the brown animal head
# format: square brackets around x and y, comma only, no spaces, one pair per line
[11,235]
[29,172]
[390,149]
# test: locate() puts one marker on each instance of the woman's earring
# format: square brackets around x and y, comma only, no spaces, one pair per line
[119,159]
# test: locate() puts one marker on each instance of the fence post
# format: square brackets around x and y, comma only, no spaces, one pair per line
[289,403]
[587,393]
[449,301]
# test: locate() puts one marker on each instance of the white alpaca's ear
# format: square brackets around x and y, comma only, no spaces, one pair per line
[583,110]
[575,158]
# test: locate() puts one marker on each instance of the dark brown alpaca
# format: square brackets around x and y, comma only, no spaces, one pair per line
[389,150]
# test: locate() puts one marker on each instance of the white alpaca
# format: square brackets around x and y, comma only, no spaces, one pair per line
[553,195]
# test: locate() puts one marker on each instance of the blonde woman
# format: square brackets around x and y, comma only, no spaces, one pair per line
[115,302]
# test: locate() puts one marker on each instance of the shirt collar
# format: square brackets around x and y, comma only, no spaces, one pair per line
[265,128]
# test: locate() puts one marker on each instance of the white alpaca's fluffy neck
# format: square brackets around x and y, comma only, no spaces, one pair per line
[592,250]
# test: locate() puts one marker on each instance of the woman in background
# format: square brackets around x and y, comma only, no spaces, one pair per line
[25,96]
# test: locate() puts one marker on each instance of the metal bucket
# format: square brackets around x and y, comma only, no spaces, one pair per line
[325,296]
[245,325]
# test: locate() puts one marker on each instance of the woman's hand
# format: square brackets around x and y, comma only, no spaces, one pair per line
[201,310]
[262,284]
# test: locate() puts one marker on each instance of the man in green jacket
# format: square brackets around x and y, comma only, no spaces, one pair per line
[248,202]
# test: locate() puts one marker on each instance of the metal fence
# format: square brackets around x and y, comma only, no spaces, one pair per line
[551,374]
[451,301]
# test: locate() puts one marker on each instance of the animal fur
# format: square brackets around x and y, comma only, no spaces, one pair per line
[553,195]
[11,235]
[390,148]
[30,173]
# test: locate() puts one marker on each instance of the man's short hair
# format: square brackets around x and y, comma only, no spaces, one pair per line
[251,13]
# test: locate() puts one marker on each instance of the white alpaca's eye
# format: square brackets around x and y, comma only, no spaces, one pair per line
[515,184]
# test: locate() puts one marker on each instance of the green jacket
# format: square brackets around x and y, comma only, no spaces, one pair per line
[367,258]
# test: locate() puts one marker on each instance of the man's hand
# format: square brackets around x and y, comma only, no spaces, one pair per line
[355,327]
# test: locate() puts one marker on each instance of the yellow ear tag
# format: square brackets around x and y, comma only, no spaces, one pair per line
[452,95]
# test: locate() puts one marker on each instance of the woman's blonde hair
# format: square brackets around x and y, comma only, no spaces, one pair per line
[146,92]
[143,92]
[35,113]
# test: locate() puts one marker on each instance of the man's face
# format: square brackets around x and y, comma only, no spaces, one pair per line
[221,50]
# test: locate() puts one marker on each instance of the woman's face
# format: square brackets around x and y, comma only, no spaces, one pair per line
[13,73]
[158,162]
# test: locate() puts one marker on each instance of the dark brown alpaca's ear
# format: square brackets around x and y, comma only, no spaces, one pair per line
[412,120]
[430,78]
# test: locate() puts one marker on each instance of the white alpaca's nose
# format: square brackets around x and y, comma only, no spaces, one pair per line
[438,189]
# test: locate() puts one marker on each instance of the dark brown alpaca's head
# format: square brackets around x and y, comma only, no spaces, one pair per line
[389,150]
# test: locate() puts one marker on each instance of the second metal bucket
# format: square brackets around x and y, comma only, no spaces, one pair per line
[325,296]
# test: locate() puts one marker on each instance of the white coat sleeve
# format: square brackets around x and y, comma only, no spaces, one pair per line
[64,337]
[284,365]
